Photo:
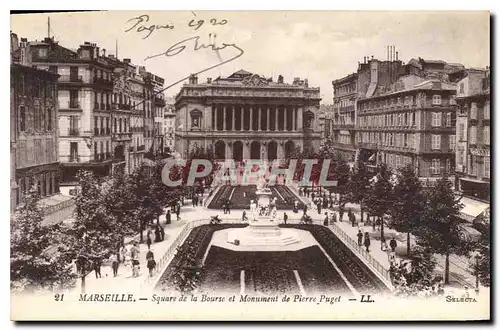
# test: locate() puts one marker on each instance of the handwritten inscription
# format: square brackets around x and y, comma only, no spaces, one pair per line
[148,28]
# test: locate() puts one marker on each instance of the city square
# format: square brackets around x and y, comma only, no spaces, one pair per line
[129,174]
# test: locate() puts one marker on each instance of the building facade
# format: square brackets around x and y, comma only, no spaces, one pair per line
[246,116]
[169,128]
[159,118]
[415,124]
[34,136]
[473,135]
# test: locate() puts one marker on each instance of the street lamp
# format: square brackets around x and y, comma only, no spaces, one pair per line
[476,258]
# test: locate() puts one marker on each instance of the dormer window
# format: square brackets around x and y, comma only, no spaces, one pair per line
[42,52]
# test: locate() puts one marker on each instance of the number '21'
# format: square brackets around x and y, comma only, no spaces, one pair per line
[59,297]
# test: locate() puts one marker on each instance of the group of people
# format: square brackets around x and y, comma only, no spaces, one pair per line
[226,207]
[197,200]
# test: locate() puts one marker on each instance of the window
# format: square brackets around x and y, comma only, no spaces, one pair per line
[486,111]
[448,166]
[436,119]
[461,88]
[486,135]
[436,100]
[487,166]
[453,100]
[42,52]
[448,120]
[452,142]
[461,131]
[49,119]
[22,118]
[436,141]
[435,166]
[473,111]
[473,135]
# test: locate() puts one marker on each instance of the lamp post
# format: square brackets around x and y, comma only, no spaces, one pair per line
[476,257]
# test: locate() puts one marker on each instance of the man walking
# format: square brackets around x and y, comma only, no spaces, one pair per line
[114,264]
[168,217]
[393,244]
[367,242]
[285,217]
[360,238]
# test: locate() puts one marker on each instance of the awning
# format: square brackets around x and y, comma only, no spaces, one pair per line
[474,180]
[471,233]
[149,163]
[472,208]
[344,132]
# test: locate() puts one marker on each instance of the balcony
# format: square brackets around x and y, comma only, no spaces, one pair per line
[108,131]
[122,136]
[141,148]
[103,131]
[131,149]
[96,106]
[70,79]
[73,132]
[70,105]
[96,131]
[108,106]
[103,82]
[160,102]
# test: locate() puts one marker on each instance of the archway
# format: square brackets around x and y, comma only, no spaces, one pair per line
[238,151]
[272,150]
[289,148]
[119,152]
[255,150]
[220,150]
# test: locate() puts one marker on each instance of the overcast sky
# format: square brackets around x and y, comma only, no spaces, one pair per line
[320,45]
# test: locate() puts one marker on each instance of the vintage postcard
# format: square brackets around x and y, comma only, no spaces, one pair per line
[250,165]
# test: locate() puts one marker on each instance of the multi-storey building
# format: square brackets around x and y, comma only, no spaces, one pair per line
[413,124]
[246,116]
[473,135]
[85,97]
[159,109]
[169,127]
[34,133]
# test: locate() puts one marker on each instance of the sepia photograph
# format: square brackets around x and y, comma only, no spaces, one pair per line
[250,165]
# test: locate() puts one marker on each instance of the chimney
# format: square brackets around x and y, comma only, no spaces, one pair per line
[372,57]
[126,60]
[306,82]
[364,59]
[209,80]
[388,56]
[193,79]
[104,52]
[280,79]
[86,43]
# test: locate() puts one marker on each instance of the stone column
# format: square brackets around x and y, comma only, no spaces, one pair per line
[216,128]
[299,119]
[276,120]
[233,112]
[280,151]
[285,127]
[268,126]
[228,148]
[251,118]
[293,119]
[242,112]
[260,119]
[224,110]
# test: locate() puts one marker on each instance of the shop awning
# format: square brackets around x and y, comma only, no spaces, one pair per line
[472,208]
[474,180]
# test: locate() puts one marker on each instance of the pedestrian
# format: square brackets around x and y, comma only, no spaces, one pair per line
[333,217]
[285,217]
[114,264]
[134,252]
[178,212]
[123,253]
[393,244]
[148,241]
[305,209]
[296,207]
[352,218]
[326,221]
[312,196]
[360,238]
[318,206]
[168,217]
[97,267]
[157,234]
[341,213]
[193,200]
[151,263]
[383,245]
[228,207]
[367,242]
[162,233]
[244,217]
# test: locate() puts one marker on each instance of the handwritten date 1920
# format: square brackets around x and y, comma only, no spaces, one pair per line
[200,23]
[139,20]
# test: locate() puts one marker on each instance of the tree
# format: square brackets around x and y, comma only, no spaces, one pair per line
[423,264]
[147,205]
[357,187]
[441,227]
[481,265]
[35,262]
[407,206]
[379,198]
[94,233]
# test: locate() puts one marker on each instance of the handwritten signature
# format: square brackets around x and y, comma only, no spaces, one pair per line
[148,28]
